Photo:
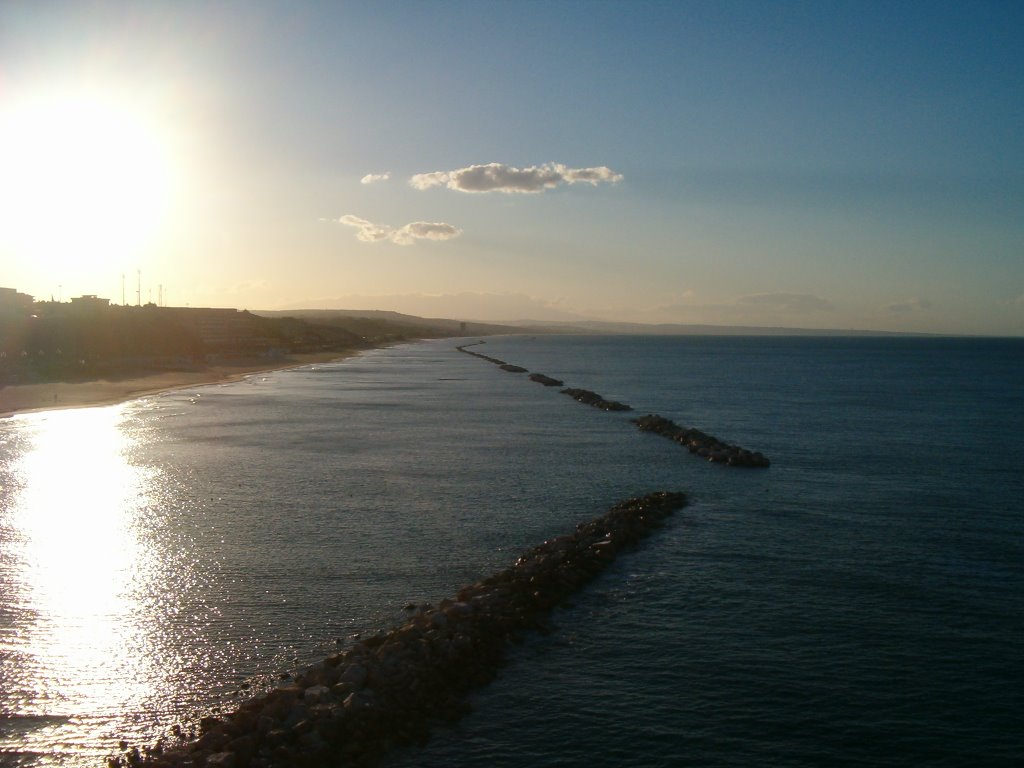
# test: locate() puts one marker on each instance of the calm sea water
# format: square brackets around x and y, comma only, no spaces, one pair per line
[858,603]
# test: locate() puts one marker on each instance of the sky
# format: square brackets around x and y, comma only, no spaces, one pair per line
[847,165]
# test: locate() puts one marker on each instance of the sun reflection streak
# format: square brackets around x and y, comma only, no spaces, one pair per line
[77,561]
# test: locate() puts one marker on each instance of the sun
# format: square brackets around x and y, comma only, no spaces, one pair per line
[85,181]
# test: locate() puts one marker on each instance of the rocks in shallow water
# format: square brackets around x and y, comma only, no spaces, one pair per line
[494,360]
[391,688]
[540,378]
[547,381]
[221,760]
[702,444]
[317,694]
[592,398]
[354,674]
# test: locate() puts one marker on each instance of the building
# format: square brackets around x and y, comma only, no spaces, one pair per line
[224,332]
[89,303]
[14,303]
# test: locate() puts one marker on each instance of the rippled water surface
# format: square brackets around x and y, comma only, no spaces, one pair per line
[859,603]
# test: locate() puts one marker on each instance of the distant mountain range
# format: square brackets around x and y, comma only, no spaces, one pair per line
[394,321]
[686,329]
[470,328]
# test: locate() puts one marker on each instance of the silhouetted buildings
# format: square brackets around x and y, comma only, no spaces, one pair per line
[89,303]
[12,302]
[87,337]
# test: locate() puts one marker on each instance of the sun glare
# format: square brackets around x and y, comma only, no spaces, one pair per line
[85,182]
[77,559]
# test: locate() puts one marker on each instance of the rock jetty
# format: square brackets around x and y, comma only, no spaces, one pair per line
[511,368]
[389,689]
[547,381]
[482,356]
[594,399]
[702,444]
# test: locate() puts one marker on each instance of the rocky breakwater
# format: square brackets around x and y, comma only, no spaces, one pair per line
[352,707]
[547,381]
[482,356]
[702,444]
[592,398]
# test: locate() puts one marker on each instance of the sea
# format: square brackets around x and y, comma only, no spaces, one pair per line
[858,603]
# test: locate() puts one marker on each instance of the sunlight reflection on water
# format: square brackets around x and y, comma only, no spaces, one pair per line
[76,555]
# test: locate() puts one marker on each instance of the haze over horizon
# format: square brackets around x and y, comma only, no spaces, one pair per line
[811,165]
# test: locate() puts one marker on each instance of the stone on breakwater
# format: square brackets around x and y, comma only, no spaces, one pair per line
[547,381]
[594,399]
[512,368]
[701,443]
[389,689]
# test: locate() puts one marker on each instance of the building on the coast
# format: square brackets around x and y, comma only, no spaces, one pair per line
[223,332]
[90,302]
[15,324]
[14,303]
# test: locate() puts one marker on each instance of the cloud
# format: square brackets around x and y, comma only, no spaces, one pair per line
[424,230]
[497,177]
[407,235]
[373,178]
[910,305]
[788,302]
[368,231]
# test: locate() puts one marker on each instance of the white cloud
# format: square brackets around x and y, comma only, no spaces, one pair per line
[368,231]
[789,302]
[407,235]
[425,230]
[497,177]
[373,178]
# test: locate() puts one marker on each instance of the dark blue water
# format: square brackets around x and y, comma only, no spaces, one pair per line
[858,603]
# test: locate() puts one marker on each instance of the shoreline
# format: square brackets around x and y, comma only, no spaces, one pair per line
[58,395]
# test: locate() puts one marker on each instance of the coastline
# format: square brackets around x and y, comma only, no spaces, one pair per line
[57,395]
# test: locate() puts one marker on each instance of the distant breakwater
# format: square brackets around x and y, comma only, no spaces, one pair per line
[482,356]
[389,689]
[700,443]
[547,381]
[587,397]
[579,395]
[696,441]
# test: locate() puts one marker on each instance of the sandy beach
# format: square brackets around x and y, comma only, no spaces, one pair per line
[20,398]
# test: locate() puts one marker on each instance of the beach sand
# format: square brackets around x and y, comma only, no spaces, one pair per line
[20,398]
